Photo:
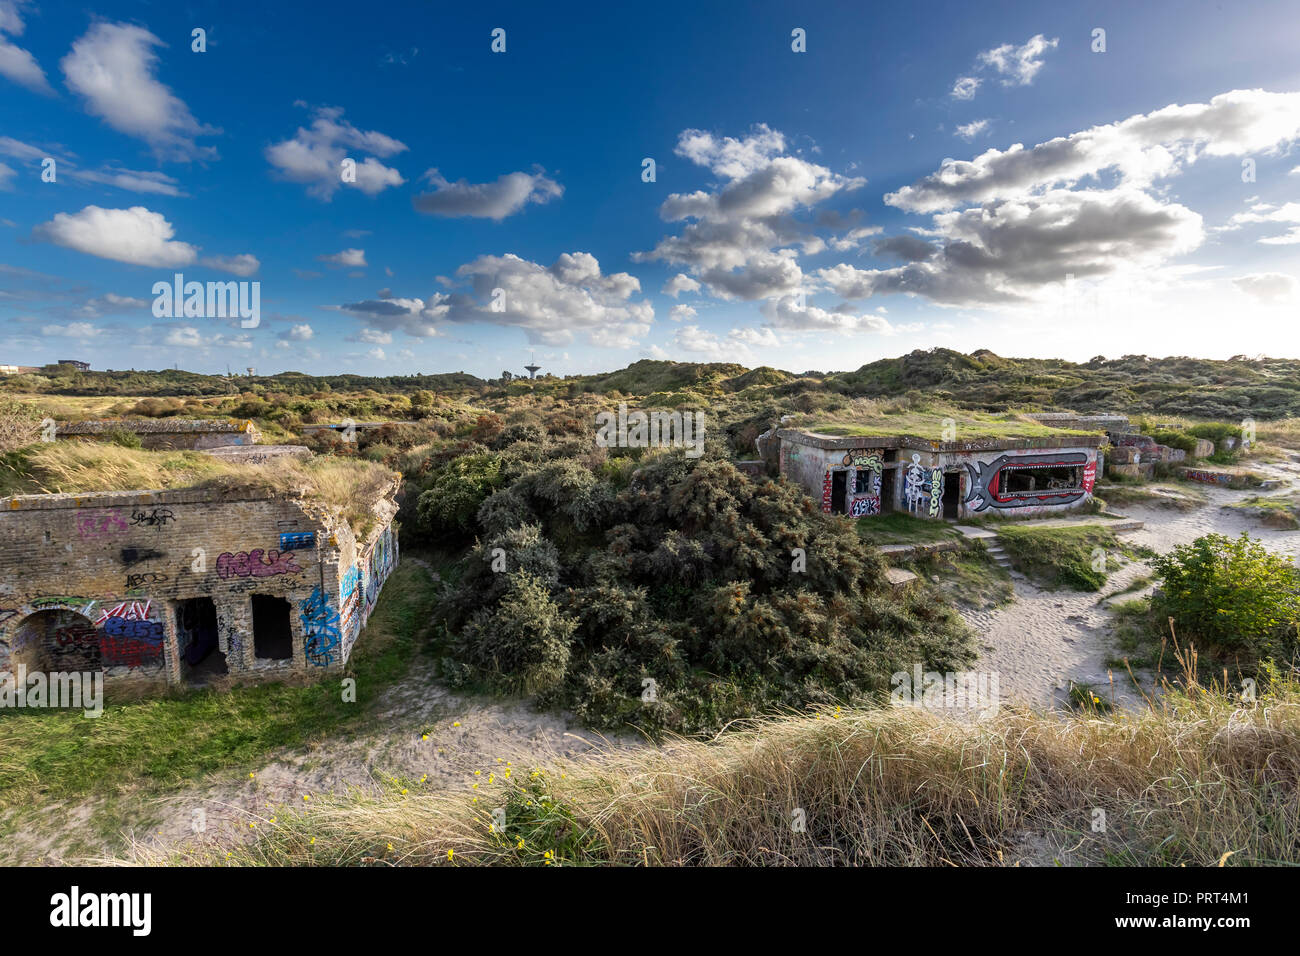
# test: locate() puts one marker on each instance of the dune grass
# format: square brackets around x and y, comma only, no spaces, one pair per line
[1199,778]
[349,486]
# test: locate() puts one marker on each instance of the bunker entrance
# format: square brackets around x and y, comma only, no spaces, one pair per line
[272,633]
[196,637]
[56,640]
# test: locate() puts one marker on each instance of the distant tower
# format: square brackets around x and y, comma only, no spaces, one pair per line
[532,369]
[251,371]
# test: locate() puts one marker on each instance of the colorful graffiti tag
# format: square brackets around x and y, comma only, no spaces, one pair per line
[826,493]
[985,477]
[321,628]
[297,540]
[244,564]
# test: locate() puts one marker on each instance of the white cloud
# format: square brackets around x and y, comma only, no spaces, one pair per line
[376,353]
[300,333]
[790,314]
[739,239]
[1262,212]
[244,264]
[136,236]
[416,317]
[1018,65]
[373,337]
[680,283]
[1008,250]
[315,156]
[16,63]
[189,337]
[7,173]
[1268,286]
[495,200]
[965,88]
[549,303]
[969,131]
[132,180]
[1140,149]
[112,68]
[355,258]
[73,330]
[679,313]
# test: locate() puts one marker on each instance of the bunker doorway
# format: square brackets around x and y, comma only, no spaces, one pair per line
[951,495]
[56,640]
[272,633]
[196,639]
[887,478]
[839,491]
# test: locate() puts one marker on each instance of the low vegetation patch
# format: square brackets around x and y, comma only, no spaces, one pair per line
[1199,779]
[1078,557]
[898,527]
[1272,511]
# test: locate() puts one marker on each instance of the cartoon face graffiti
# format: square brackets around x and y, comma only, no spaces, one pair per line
[988,485]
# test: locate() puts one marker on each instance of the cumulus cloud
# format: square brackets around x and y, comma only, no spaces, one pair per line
[73,330]
[353,258]
[1017,65]
[968,131]
[680,283]
[240,265]
[1268,286]
[302,332]
[315,155]
[372,337]
[112,302]
[136,236]
[112,67]
[496,200]
[551,304]
[680,313]
[416,317]
[1006,251]
[16,63]
[189,337]
[1139,150]
[795,314]
[740,239]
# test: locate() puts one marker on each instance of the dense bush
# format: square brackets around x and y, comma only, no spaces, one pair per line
[679,599]
[1232,597]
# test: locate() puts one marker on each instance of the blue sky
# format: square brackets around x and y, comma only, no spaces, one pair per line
[960,175]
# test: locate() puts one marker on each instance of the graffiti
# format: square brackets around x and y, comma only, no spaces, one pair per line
[78,638]
[131,643]
[297,540]
[348,583]
[872,460]
[862,507]
[132,556]
[321,628]
[127,610]
[1089,476]
[6,614]
[244,564]
[826,493]
[64,600]
[156,518]
[1210,477]
[984,478]
[99,524]
[936,492]
[134,581]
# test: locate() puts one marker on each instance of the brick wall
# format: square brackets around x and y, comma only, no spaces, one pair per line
[100,577]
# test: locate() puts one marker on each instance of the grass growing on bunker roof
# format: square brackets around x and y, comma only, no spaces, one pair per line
[349,486]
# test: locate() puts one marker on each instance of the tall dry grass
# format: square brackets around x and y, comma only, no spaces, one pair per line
[349,486]
[1196,779]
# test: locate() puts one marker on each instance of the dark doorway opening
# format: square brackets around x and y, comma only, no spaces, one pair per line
[56,640]
[272,634]
[839,488]
[196,639]
[887,478]
[951,494]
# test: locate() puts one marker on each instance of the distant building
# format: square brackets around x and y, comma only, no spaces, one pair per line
[168,433]
[84,366]
[18,369]
[861,476]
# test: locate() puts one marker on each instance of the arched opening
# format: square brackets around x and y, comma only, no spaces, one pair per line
[54,640]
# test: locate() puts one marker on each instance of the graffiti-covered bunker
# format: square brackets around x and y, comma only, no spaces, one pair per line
[859,476]
[177,586]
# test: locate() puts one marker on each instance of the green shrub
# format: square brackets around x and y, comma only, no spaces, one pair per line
[1230,596]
